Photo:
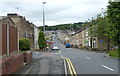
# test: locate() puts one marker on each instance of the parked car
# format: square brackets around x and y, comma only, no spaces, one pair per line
[67,45]
[55,48]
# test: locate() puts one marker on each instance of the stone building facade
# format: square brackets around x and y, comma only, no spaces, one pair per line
[25,28]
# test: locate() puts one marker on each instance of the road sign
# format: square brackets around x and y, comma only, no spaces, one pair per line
[101,41]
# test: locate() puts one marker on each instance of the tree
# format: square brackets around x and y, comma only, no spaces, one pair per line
[113,26]
[41,40]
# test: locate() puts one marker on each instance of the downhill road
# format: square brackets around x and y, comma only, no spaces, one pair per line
[87,62]
[71,61]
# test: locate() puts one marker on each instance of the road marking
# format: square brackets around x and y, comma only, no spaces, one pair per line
[107,67]
[64,64]
[65,67]
[71,67]
[60,54]
[60,51]
[87,57]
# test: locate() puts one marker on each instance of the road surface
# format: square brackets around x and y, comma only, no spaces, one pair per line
[71,61]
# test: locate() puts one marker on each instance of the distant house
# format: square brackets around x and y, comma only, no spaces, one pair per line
[8,37]
[36,34]
[83,38]
[63,37]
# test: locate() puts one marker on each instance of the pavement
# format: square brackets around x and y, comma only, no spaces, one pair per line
[44,63]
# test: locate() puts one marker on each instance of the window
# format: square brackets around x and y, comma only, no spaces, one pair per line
[25,35]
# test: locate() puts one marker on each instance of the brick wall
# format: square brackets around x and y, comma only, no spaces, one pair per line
[11,64]
[27,56]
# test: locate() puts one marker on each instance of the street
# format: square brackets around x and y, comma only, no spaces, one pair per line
[66,38]
[70,61]
[86,62]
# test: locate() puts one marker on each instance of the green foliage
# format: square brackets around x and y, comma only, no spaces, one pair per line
[93,31]
[107,25]
[41,40]
[74,26]
[95,49]
[114,53]
[41,28]
[98,26]
[113,27]
[24,44]
[86,41]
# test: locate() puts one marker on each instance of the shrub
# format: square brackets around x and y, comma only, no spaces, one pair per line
[72,45]
[81,45]
[95,49]
[76,46]
[114,53]
[86,41]
[24,44]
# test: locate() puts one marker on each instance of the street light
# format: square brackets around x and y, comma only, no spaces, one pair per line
[43,18]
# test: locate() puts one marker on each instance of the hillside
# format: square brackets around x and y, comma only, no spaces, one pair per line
[74,26]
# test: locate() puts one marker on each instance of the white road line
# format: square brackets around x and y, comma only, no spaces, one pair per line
[87,57]
[65,67]
[107,67]
[64,64]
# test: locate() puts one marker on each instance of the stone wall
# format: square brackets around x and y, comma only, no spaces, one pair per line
[25,28]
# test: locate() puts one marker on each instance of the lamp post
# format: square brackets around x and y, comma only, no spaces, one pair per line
[43,19]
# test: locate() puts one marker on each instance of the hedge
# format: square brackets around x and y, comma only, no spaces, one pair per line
[24,44]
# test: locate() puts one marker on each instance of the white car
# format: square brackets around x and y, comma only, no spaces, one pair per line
[55,48]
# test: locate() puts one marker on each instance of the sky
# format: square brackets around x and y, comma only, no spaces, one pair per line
[56,11]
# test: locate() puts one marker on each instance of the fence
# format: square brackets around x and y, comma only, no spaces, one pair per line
[9,39]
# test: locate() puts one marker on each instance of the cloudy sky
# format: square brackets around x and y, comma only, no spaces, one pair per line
[56,11]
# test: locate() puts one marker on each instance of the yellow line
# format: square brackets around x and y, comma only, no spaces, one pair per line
[69,67]
[65,67]
[72,67]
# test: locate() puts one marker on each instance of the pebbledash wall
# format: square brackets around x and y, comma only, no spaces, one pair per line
[8,38]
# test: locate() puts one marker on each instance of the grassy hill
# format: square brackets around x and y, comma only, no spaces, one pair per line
[74,26]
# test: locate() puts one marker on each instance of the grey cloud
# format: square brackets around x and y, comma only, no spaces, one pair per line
[56,11]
